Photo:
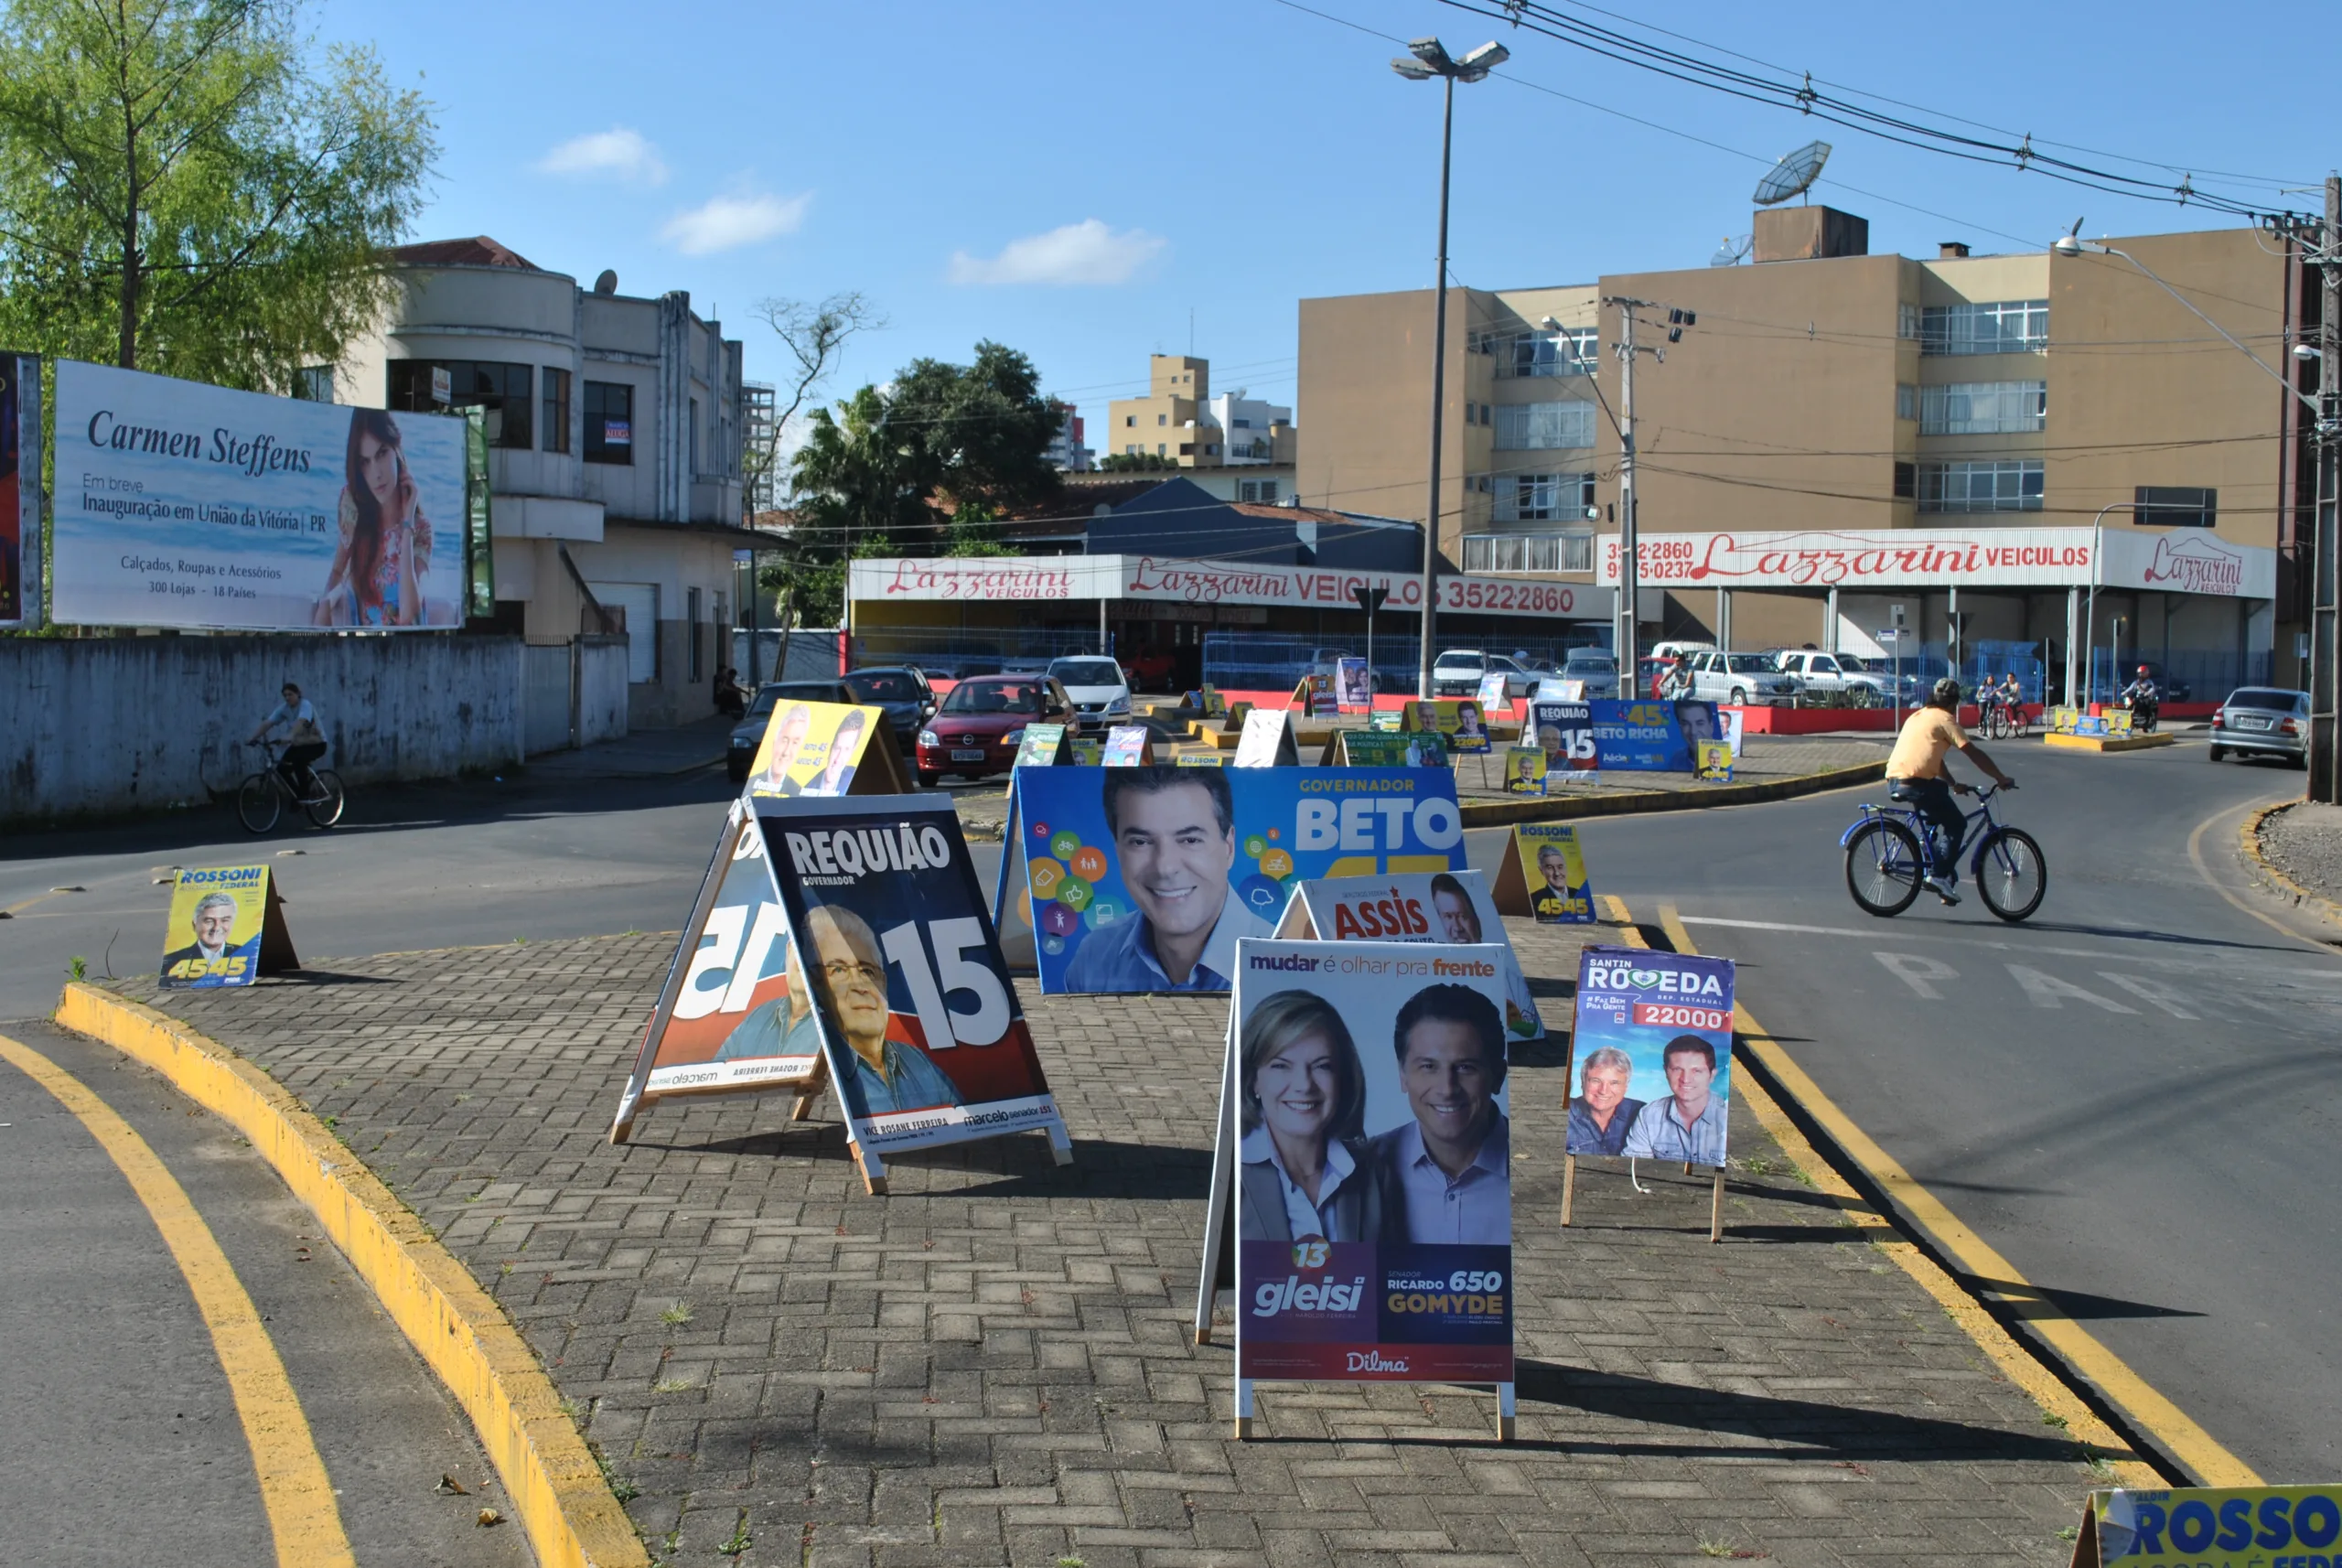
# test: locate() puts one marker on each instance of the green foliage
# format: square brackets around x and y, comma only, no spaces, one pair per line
[1136,463]
[980,431]
[974,529]
[184,189]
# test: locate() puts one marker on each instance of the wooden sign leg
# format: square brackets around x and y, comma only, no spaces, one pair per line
[1568,1185]
[1715,1209]
[1507,1417]
[872,1168]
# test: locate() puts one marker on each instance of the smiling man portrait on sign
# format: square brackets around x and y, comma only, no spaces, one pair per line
[1174,832]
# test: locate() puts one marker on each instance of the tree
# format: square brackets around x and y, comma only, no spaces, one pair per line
[982,430]
[812,336]
[183,190]
[974,529]
[1136,463]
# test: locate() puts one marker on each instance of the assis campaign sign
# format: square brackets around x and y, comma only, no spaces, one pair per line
[910,997]
[1146,878]
[1440,907]
[186,505]
[1653,1052]
[1373,1210]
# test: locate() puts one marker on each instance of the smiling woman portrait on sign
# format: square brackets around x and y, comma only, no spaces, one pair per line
[385,550]
[1305,1171]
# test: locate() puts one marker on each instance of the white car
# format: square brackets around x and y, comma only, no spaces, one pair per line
[1835,681]
[1595,668]
[1100,690]
[1740,680]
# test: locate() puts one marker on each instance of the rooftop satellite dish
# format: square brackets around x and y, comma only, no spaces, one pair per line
[1732,252]
[1793,176]
[608,282]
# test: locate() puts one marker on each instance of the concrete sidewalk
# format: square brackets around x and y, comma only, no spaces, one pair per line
[993,1364]
[644,753]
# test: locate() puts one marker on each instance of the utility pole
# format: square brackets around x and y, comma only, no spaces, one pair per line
[1624,631]
[2325,738]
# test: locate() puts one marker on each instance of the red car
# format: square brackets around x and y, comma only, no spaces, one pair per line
[981,723]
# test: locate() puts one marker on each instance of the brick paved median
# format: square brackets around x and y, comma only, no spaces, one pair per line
[993,1364]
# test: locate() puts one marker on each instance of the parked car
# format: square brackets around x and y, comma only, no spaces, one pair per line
[1457,672]
[2262,721]
[903,691]
[1742,680]
[1152,669]
[749,733]
[1597,667]
[1834,681]
[1100,690]
[982,722]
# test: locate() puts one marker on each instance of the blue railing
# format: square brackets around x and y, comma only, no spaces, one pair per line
[1257,662]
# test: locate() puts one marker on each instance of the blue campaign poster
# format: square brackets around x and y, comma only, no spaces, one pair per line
[1653,1053]
[1145,878]
[1651,738]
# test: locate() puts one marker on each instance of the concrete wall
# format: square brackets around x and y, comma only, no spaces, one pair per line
[112,724]
[601,689]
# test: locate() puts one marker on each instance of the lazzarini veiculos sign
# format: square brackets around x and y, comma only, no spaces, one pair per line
[1207,582]
[2195,563]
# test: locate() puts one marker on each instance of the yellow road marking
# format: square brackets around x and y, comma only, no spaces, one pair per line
[2195,855]
[1619,913]
[294,1489]
[2171,1426]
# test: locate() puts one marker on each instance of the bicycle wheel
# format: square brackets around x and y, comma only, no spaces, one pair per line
[258,803]
[326,811]
[2011,876]
[1882,867]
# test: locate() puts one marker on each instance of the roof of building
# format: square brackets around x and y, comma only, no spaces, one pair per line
[479,251]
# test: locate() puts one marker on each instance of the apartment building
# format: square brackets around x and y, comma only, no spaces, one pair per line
[1825,392]
[1181,421]
[615,426]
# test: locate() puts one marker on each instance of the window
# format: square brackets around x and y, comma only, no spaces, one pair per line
[1907,481]
[1569,352]
[1541,498]
[1983,408]
[1162,419]
[1989,485]
[1907,322]
[609,422]
[1186,449]
[501,390]
[1133,450]
[1130,422]
[1906,401]
[1534,426]
[2173,506]
[690,617]
[1159,450]
[556,411]
[1240,424]
[1529,552]
[692,425]
[313,384]
[2005,326]
[1263,490]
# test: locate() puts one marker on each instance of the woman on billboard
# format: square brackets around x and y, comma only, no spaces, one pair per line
[1306,1170]
[385,551]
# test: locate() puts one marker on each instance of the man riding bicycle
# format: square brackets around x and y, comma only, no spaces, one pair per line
[1916,776]
[305,742]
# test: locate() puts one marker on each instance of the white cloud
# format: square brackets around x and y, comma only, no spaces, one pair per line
[1083,253]
[622,154]
[730,221]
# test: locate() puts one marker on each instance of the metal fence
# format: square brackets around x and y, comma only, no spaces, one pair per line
[1256,661]
[2203,675]
[954,652]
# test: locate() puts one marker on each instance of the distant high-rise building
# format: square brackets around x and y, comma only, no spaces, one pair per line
[1180,421]
[1066,455]
[761,490]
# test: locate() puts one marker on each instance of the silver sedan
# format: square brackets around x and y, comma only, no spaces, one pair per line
[2262,721]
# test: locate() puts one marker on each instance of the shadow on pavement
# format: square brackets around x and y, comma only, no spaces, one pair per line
[2027,1300]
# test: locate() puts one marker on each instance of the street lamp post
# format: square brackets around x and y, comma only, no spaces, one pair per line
[1426,59]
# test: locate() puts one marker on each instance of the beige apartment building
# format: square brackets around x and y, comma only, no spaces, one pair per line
[1181,421]
[2030,398]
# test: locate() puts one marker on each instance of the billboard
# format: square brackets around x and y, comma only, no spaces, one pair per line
[1653,1052]
[1373,1174]
[1145,878]
[19,491]
[186,505]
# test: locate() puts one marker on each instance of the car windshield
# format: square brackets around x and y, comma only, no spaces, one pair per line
[995,697]
[883,686]
[2260,697]
[1748,664]
[1087,671]
[1460,661]
[1592,663]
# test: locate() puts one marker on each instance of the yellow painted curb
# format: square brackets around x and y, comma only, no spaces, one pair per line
[1700,797]
[557,1491]
[2107,742]
[2249,841]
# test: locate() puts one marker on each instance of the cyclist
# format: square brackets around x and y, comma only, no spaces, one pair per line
[2143,699]
[304,741]
[1916,775]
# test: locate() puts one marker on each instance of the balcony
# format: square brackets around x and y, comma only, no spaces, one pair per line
[1500,553]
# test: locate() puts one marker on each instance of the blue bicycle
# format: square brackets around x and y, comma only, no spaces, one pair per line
[1891,853]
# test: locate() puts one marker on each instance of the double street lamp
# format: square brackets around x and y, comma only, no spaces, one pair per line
[1426,59]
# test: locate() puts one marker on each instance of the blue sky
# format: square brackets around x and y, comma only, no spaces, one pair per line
[1078,180]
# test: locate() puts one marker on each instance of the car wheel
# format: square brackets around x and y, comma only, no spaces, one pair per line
[2215,752]
[927,777]
[1739,697]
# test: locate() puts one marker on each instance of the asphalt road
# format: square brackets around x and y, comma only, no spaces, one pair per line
[122,1445]
[2130,1097]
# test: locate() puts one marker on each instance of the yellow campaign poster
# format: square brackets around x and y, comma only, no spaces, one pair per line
[2207,1527]
[1713,761]
[1524,770]
[1554,868]
[213,936]
[815,748]
[1458,720]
